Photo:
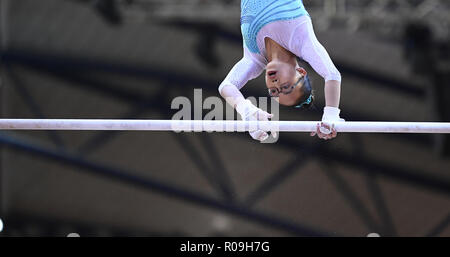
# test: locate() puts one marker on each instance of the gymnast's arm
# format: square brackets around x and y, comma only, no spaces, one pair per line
[246,69]
[311,50]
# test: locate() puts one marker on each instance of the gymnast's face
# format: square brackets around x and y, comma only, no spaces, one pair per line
[280,78]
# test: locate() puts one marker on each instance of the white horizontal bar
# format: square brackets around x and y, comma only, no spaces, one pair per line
[219,126]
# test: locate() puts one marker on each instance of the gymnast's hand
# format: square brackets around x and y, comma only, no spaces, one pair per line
[249,112]
[325,130]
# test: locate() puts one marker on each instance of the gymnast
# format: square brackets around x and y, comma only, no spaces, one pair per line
[275,33]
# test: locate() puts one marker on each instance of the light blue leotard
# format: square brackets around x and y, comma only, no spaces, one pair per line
[255,14]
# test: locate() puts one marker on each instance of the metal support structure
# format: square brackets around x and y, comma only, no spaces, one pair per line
[352,199]
[34,108]
[380,203]
[159,187]
[276,179]
[440,227]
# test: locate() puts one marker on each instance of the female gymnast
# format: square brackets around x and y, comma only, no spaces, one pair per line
[275,33]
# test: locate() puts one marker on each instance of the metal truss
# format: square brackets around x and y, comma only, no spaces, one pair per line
[74,70]
[382,17]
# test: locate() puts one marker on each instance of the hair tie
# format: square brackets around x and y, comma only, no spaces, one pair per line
[308,101]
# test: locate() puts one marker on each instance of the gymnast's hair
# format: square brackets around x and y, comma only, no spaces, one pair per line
[307,99]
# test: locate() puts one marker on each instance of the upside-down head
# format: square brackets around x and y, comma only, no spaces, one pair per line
[290,84]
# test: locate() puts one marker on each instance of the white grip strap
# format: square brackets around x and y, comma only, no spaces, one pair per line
[330,115]
[246,109]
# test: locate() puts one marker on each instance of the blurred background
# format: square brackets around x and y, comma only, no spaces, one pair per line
[127,59]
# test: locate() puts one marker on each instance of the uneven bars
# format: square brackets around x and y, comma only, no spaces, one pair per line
[219,125]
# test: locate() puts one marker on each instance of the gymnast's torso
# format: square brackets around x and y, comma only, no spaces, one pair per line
[256,15]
